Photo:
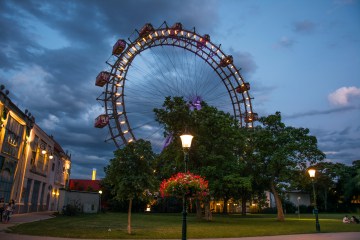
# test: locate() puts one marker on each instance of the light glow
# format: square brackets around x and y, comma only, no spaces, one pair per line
[312,172]
[186,140]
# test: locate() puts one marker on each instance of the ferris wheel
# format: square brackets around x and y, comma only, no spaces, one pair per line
[154,63]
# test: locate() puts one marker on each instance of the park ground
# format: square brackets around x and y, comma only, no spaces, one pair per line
[21,223]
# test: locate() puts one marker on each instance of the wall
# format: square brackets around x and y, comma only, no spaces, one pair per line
[88,201]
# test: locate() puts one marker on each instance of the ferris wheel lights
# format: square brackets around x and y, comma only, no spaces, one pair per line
[243,88]
[148,37]
[226,60]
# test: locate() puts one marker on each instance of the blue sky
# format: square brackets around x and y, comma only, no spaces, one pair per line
[301,58]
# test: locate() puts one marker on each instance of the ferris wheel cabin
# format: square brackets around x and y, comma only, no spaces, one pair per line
[251,117]
[119,47]
[226,61]
[243,87]
[146,29]
[203,40]
[101,121]
[102,78]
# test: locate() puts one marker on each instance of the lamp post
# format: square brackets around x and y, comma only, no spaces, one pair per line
[312,176]
[186,144]
[298,200]
[100,192]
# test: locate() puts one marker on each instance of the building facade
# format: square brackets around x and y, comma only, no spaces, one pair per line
[33,166]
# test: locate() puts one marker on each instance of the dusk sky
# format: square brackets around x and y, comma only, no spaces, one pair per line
[302,58]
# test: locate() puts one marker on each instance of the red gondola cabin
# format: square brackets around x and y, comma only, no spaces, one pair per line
[101,121]
[119,47]
[146,29]
[243,87]
[102,78]
[175,29]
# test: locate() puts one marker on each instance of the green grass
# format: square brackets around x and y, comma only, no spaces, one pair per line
[161,226]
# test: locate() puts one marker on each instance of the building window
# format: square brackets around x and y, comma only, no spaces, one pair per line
[13,137]
[5,184]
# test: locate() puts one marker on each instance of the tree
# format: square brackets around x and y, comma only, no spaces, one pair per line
[129,173]
[282,153]
[213,153]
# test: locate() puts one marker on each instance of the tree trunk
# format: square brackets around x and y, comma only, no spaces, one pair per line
[129,217]
[325,199]
[243,205]
[198,208]
[208,213]
[225,210]
[280,212]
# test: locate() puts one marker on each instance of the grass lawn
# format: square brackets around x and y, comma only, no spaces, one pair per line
[161,226]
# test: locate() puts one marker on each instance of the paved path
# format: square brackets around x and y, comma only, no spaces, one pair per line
[31,217]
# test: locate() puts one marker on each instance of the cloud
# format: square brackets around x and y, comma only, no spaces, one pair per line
[320,112]
[304,27]
[344,96]
[339,145]
[245,61]
[285,42]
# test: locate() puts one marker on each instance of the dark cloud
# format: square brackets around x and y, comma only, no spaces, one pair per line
[245,62]
[322,112]
[340,146]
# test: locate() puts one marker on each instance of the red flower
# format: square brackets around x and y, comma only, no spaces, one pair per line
[184,184]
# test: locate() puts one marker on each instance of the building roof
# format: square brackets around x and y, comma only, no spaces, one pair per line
[84,185]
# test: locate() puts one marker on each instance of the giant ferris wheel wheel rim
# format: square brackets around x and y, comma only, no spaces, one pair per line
[124,53]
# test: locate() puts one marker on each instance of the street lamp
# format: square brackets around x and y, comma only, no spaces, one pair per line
[100,192]
[186,144]
[298,200]
[312,176]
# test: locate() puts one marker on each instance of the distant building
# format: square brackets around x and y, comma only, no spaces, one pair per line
[84,185]
[33,166]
